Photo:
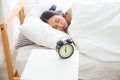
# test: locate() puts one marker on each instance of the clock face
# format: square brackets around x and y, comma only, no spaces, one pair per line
[66,51]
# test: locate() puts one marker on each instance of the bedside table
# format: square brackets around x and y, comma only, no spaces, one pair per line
[47,65]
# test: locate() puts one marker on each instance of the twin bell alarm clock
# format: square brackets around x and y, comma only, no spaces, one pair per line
[65,48]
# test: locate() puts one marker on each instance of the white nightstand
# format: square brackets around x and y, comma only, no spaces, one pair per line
[47,65]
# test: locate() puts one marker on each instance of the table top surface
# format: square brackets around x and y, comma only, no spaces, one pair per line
[47,65]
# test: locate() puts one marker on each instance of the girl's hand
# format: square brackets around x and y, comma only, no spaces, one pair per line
[69,15]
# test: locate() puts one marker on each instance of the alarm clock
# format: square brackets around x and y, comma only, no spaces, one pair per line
[65,48]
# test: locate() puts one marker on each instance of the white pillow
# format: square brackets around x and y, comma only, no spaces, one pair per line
[41,33]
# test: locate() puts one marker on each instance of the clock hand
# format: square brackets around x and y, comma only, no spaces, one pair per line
[65,49]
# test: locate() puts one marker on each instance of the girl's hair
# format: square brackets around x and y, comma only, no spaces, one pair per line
[46,15]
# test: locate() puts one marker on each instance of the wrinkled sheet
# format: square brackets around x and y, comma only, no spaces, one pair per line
[95,29]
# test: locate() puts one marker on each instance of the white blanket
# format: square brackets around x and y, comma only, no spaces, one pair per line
[95,29]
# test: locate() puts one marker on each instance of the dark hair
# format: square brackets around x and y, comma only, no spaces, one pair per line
[46,15]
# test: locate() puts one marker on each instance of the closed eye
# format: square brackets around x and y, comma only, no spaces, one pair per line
[54,27]
[57,20]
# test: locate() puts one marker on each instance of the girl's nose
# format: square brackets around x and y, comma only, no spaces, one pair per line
[60,25]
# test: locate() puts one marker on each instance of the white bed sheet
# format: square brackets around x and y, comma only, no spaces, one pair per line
[92,69]
[89,68]
[95,28]
[95,31]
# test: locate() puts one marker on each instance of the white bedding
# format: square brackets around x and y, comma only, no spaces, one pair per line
[95,29]
[92,69]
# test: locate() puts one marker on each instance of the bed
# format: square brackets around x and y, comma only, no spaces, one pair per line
[99,57]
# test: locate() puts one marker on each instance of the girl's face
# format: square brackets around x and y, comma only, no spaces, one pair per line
[58,22]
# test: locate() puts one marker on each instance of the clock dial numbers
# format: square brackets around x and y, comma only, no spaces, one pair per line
[66,50]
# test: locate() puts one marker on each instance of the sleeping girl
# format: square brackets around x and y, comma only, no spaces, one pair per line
[57,19]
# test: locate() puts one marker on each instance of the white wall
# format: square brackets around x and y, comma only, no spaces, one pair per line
[1,9]
[6,6]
